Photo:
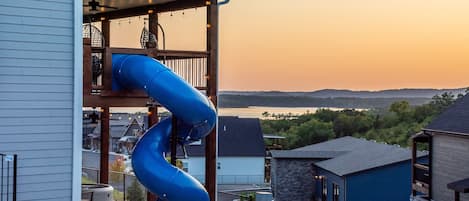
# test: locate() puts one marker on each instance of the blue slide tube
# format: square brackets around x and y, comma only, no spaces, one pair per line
[196,118]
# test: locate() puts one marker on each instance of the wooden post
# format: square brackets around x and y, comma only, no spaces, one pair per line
[414,160]
[87,74]
[212,65]
[106,30]
[152,120]
[430,167]
[153,28]
[104,164]
[174,139]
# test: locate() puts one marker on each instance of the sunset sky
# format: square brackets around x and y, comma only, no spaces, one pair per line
[305,45]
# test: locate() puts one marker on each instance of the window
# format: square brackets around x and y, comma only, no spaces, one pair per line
[335,192]
[324,188]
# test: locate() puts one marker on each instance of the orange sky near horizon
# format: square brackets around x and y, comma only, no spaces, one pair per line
[307,45]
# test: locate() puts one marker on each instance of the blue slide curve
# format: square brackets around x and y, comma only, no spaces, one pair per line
[196,118]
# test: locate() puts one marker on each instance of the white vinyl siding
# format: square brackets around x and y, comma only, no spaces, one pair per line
[37,95]
[230,170]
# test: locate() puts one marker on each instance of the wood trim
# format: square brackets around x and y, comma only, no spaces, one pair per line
[439,132]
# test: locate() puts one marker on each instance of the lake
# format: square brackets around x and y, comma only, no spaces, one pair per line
[248,112]
[256,111]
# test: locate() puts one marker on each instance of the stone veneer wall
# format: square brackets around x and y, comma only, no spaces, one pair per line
[292,179]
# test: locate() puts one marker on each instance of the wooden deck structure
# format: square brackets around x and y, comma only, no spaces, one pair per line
[421,172]
[199,68]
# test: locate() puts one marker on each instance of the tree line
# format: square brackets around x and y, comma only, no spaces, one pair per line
[393,125]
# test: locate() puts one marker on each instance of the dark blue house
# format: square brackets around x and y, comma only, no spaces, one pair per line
[366,171]
[350,169]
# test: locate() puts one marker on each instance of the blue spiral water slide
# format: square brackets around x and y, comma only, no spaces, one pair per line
[196,118]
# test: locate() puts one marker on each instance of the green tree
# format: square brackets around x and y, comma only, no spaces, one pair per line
[344,125]
[326,115]
[443,101]
[310,132]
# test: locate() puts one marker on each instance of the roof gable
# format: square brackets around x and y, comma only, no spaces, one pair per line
[236,137]
[349,155]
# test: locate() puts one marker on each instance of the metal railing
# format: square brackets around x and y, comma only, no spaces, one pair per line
[190,65]
[8,177]
[193,70]
[126,186]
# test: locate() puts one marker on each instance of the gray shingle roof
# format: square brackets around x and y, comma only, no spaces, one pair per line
[352,155]
[236,137]
[305,154]
[454,120]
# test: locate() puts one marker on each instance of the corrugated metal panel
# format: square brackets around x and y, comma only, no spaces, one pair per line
[36,95]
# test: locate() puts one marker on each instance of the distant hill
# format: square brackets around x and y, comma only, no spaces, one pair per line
[330,98]
[343,93]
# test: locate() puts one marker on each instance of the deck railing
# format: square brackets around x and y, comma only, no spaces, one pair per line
[190,65]
[8,177]
[125,185]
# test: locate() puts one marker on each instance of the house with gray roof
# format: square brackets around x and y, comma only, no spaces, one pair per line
[241,153]
[446,174]
[124,127]
[343,169]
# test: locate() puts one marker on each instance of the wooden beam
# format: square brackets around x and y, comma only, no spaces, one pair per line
[143,10]
[100,101]
[212,65]
[104,156]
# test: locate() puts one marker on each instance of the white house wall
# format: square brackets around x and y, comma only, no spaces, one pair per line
[37,92]
[232,170]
